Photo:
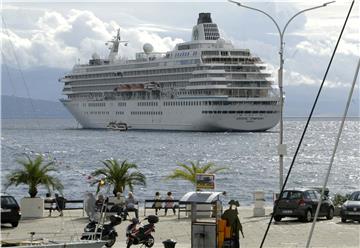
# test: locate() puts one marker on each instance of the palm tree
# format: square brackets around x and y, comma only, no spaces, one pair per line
[188,172]
[34,173]
[120,175]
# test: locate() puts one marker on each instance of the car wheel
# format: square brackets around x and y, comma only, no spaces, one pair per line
[308,216]
[343,219]
[277,218]
[15,224]
[330,214]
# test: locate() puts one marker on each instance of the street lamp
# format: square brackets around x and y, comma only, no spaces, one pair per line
[281,146]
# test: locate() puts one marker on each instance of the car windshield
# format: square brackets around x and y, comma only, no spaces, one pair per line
[292,195]
[355,196]
[7,201]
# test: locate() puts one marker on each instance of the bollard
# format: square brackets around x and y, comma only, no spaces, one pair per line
[259,210]
[170,243]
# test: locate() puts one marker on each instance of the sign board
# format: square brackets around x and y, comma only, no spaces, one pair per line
[205,181]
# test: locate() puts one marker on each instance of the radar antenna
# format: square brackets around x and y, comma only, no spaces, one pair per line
[114,48]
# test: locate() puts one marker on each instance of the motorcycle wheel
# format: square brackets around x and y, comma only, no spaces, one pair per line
[110,242]
[150,241]
[129,243]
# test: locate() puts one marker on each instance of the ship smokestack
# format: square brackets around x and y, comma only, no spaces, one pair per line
[205,28]
[204,18]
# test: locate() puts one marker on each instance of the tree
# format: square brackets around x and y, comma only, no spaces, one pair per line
[34,173]
[120,175]
[188,172]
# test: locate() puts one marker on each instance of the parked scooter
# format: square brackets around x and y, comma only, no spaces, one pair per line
[141,235]
[104,232]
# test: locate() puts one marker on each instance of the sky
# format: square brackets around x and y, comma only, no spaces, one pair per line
[53,36]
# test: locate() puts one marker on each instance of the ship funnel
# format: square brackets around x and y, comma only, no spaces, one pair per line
[205,28]
[204,18]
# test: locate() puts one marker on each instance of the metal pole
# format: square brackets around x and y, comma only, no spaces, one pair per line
[333,153]
[281,147]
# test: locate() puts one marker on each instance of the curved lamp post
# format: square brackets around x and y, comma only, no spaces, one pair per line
[281,146]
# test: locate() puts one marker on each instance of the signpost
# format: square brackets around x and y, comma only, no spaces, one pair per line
[205,181]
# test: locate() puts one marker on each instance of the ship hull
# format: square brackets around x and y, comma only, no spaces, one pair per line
[242,117]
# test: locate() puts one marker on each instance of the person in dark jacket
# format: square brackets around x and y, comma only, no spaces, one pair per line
[60,203]
[233,221]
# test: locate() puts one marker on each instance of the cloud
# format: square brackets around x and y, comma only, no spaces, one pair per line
[58,40]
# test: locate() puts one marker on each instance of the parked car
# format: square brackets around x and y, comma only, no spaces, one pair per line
[10,210]
[302,204]
[350,210]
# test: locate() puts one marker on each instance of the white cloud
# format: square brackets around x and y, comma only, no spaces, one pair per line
[58,40]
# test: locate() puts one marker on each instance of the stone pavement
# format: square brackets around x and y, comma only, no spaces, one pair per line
[288,233]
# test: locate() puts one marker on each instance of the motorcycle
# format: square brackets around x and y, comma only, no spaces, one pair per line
[141,235]
[104,232]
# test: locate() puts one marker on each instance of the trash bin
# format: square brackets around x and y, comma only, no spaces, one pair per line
[170,243]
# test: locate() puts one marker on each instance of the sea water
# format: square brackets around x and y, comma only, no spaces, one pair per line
[250,158]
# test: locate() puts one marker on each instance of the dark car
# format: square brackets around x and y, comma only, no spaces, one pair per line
[302,204]
[350,210]
[10,210]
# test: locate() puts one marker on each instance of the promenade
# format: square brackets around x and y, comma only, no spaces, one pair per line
[288,233]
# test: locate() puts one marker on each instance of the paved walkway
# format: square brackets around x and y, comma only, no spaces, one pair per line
[288,233]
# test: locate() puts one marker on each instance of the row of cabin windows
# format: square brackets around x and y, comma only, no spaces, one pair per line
[147,104]
[135,73]
[119,112]
[225,53]
[159,71]
[230,60]
[187,103]
[182,54]
[97,75]
[220,103]
[146,113]
[96,104]
[97,112]
[237,112]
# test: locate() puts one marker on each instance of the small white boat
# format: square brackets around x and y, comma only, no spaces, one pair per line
[117,126]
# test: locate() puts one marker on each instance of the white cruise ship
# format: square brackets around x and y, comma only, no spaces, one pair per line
[202,85]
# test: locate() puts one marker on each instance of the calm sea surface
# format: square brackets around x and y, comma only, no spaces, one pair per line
[251,158]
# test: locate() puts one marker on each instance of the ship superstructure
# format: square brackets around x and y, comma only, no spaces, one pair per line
[201,85]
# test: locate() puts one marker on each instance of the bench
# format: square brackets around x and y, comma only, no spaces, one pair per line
[152,201]
[69,205]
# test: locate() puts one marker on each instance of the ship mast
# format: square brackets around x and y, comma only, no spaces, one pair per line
[114,48]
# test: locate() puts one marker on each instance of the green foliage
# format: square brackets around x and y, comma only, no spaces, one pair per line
[120,175]
[35,172]
[188,172]
[340,199]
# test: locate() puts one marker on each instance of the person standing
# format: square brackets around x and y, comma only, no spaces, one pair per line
[233,221]
[169,204]
[60,203]
[90,205]
[157,203]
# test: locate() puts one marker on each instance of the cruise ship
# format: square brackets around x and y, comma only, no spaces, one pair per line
[205,84]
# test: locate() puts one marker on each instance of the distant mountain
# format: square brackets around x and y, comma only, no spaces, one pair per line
[23,108]
[42,82]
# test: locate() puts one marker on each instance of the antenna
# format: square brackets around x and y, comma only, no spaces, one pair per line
[114,48]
